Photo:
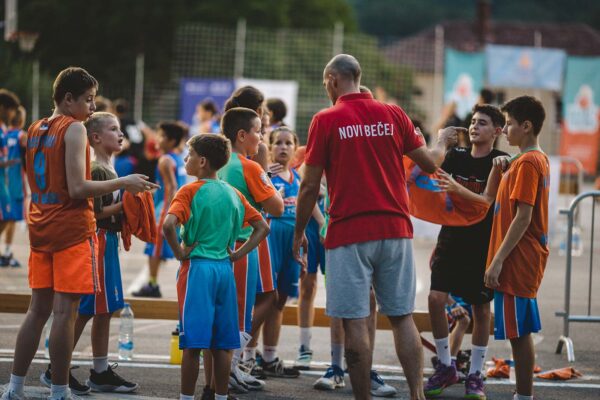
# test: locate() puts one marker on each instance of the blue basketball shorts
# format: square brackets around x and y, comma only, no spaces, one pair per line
[515,316]
[285,268]
[316,251]
[110,294]
[206,295]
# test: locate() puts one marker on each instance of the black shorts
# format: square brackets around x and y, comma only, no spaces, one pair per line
[460,274]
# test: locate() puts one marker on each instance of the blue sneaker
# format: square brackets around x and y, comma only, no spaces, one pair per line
[333,379]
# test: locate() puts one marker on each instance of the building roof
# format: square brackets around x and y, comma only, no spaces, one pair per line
[418,50]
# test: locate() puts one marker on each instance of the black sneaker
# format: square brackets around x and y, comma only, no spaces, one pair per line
[110,381]
[75,386]
[277,369]
[4,261]
[13,262]
[148,290]
[207,393]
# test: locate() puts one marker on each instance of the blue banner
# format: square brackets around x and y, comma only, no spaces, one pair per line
[463,79]
[193,91]
[525,67]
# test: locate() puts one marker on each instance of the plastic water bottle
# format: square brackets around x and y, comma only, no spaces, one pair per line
[47,329]
[126,334]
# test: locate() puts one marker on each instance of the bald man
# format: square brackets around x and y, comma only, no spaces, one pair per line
[359,144]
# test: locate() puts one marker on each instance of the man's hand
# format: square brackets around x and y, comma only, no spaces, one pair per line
[459,312]
[136,183]
[449,136]
[183,251]
[501,163]
[300,242]
[492,274]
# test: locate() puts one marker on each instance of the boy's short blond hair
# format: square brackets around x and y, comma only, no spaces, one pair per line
[96,122]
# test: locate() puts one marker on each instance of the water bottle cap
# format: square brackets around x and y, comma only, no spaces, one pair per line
[127,305]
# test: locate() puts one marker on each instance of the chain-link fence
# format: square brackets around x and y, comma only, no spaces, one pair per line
[205,51]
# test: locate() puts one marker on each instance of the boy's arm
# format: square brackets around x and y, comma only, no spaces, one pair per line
[259,232]
[167,172]
[515,232]
[180,251]
[109,211]
[79,187]
[447,183]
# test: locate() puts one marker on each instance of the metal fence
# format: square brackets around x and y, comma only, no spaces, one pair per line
[567,314]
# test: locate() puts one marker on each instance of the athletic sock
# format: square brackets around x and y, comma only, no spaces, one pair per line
[269,353]
[442,349]
[305,336]
[152,281]
[518,396]
[337,355]
[250,353]
[8,250]
[220,396]
[100,364]
[185,397]
[237,353]
[16,384]
[58,391]
[477,358]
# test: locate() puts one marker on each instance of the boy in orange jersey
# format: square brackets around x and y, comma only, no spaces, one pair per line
[518,248]
[62,263]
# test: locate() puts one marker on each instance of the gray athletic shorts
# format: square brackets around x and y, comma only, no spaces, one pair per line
[387,265]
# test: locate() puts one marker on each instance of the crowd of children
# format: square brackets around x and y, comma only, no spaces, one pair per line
[232,227]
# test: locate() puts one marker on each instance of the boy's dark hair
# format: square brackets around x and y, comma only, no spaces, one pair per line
[121,106]
[216,149]
[247,96]
[173,131]
[19,117]
[72,80]
[274,132]
[487,96]
[278,108]
[526,108]
[491,111]
[9,100]
[209,106]
[235,119]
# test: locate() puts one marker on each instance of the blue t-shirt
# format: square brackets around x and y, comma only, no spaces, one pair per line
[289,191]
[14,173]
[180,179]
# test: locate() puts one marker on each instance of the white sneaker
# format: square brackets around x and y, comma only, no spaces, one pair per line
[11,395]
[67,396]
[251,382]
[379,388]
[304,359]
[333,379]
[236,381]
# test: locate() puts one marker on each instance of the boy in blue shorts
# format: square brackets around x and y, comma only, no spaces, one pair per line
[518,249]
[15,140]
[9,106]
[212,214]
[242,126]
[105,137]
[170,175]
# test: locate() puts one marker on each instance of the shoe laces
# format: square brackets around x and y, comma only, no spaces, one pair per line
[375,377]
[117,377]
[474,381]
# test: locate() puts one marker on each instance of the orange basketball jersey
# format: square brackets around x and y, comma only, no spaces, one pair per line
[56,221]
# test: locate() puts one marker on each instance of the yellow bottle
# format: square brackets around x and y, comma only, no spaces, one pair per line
[176,353]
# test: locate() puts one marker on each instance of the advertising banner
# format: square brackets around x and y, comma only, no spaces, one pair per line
[463,79]
[580,131]
[525,67]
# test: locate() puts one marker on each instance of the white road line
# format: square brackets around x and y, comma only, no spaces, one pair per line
[489,381]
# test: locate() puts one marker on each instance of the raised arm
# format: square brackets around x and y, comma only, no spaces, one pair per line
[430,159]
[81,188]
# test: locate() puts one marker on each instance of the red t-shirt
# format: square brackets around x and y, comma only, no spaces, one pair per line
[527,181]
[360,143]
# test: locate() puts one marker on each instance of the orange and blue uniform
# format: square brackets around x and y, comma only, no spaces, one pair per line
[62,230]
